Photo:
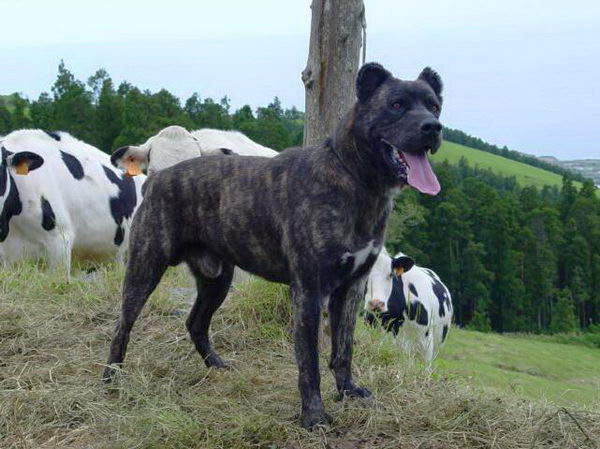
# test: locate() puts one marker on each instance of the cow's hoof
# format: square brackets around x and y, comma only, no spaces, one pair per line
[314,419]
[354,391]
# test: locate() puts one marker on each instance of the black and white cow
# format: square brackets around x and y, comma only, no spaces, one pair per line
[175,144]
[412,303]
[60,196]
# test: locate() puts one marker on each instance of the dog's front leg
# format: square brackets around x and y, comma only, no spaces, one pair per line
[307,310]
[342,315]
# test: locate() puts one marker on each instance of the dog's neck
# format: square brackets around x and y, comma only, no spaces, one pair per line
[355,157]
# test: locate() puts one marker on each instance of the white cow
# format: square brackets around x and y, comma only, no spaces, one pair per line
[412,303]
[170,146]
[61,197]
[175,144]
[212,141]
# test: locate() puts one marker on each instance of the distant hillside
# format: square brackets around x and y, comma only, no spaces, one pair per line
[590,168]
[461,137]
[525,174]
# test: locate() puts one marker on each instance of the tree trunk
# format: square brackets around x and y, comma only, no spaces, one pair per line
[333,58]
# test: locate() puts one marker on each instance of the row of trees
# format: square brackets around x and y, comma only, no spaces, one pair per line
[109,117]
[515,259]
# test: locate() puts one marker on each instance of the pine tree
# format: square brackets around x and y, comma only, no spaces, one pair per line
[563,315]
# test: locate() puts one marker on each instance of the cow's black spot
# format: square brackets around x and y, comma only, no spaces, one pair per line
[3,180]
[393,319]
[53,134]
[444,333]
[12,206]
[413,289]
[3,171]
[441,293]
[418,313]
[123,205]
[427,333]
[119,235]
[73,165]
[48,217]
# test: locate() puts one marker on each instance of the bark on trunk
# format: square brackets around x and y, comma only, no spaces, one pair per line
[333,58]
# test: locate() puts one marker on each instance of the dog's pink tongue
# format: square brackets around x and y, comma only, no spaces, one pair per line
[420,174]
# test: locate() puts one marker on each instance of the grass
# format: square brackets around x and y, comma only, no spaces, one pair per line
[526,175]
[567,375]
[54,339]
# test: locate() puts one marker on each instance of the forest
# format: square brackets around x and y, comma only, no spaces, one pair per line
[516,258]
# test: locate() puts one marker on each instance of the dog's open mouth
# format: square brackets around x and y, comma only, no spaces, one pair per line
[413,168]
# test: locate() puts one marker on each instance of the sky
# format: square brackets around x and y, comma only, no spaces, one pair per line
[521,73]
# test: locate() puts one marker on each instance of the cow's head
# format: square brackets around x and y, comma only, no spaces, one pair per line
[401,263]
[17,164]
[170,146]
[379,284]
[381,280]
[398,122]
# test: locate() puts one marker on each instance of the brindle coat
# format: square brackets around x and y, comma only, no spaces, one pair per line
[313,218]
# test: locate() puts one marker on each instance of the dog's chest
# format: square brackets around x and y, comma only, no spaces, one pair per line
[361,259]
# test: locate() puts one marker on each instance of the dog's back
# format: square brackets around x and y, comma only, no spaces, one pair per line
[233,206]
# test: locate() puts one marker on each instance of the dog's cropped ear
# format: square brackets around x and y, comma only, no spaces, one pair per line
[369,78]
[24,161]
[132,159]
[402,264]
[432,78]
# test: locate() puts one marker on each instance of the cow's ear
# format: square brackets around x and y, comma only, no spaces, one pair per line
[132,159]
[402,264]
[369,78]
[24,162]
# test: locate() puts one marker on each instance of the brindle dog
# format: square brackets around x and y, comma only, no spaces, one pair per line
[313,218]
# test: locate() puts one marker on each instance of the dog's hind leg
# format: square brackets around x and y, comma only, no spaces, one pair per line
[213,279]
[145,268]
[342,315]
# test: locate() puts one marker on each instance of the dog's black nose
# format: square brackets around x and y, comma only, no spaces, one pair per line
[431,127]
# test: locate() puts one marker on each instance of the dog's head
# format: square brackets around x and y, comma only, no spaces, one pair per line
[399,122]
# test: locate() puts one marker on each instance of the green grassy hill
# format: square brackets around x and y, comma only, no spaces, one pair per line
[526,174]
[54,339]
[526,367]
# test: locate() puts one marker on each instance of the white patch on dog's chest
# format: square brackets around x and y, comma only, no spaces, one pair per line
[360,257]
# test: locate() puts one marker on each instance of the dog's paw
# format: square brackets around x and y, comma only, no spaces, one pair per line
[354,391]
[214,361]
[314,419]
[108,374]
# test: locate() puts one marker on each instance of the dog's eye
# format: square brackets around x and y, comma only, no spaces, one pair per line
[397,105]
[435,108]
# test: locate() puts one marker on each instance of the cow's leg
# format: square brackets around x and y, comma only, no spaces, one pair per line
[342,316]
[306,310]
[213,279]
[428,347]
[145,268]
[59,250]
[120,254]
